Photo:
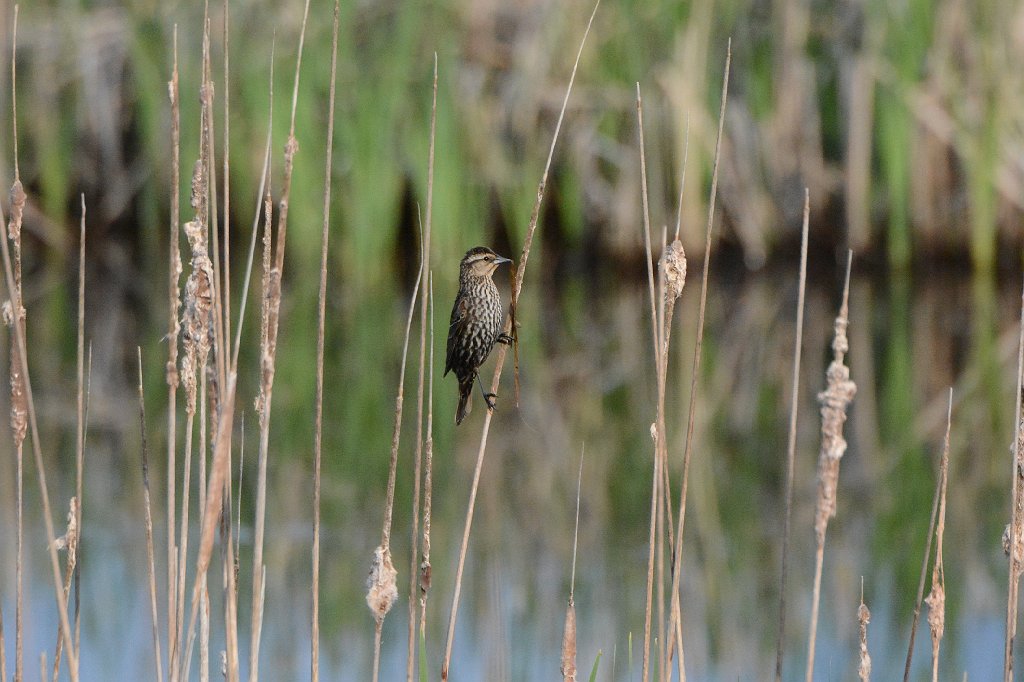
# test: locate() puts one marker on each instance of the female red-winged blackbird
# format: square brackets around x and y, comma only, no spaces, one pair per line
[476,323]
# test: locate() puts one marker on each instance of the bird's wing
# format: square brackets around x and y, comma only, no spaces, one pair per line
[456,327]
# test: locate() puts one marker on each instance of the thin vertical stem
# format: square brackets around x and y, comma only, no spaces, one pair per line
[418,463]
[321,319]
[677,562]
[151,563]
[268,359]
[172,378]
[791,444]
[1015,520]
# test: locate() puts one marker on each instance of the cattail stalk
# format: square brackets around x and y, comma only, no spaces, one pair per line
[834,400]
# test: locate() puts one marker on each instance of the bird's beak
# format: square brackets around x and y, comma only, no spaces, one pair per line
[498,260]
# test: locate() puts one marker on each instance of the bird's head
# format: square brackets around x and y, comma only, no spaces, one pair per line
[481,262]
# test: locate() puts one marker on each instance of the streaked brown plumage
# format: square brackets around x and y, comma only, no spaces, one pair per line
[476,322]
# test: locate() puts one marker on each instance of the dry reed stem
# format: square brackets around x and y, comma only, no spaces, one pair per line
[229,656]
[211,513]
[924,572]
[672,268]
[204,629]
[19,408]
[500,358]
[223,394]
[676,629]
[418,455]
[379,598]
[834,400]
[14,97]
[569,632]
[22,398]
[226,175]
[936,599]
[197,340]
[682,179]
[68,541]
[171,372]
[791,444]
[80,414]
[655,540]
[268,357]
[264,209]
[863,618]
[321,318]
[207,92]
[210,382]
[151,562]
[428,476]
[1016,512]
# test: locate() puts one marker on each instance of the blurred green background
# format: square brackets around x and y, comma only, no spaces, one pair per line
[903,120]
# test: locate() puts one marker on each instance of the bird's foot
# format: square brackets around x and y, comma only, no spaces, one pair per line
[505,339]
[489,399]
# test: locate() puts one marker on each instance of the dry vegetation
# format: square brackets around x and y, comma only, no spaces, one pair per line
[203,483]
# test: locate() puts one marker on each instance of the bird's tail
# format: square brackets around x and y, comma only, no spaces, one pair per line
[465,393]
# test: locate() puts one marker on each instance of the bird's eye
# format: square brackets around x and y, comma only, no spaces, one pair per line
[488,259]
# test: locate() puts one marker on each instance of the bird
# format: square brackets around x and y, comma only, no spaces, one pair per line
[476,323]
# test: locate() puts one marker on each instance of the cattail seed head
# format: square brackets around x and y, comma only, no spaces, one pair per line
[382,586]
